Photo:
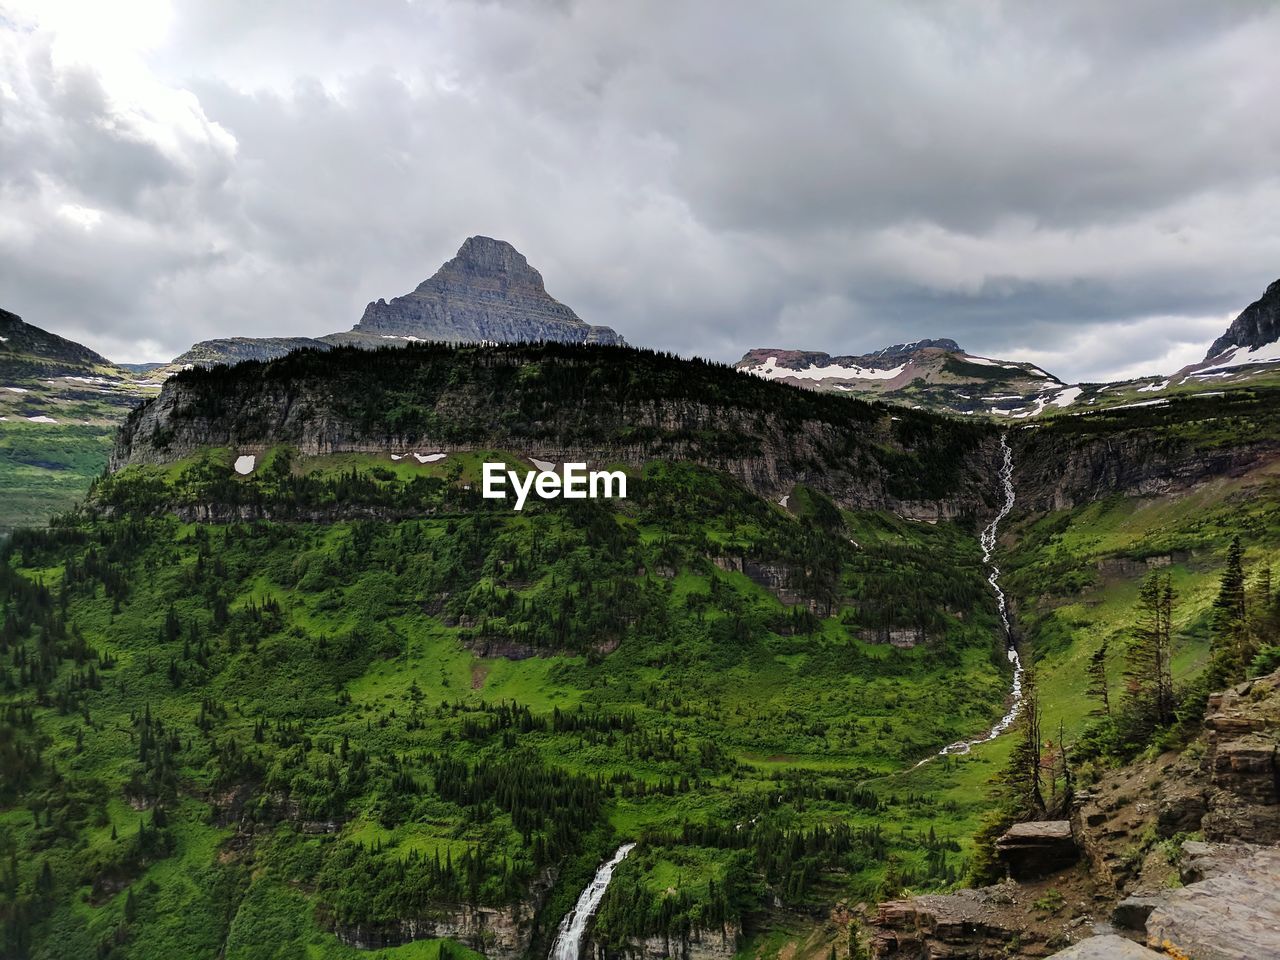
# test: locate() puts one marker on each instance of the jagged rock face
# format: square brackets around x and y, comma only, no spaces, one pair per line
[1057,469]
[1257,325]
[487,292]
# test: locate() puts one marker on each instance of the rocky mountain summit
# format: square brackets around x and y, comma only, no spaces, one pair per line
[488,291]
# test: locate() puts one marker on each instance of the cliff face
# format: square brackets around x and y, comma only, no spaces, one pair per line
[499,934]
[577,404]
[1058,468]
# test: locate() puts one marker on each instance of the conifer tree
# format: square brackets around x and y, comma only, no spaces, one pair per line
[1097,674]
[1230,619]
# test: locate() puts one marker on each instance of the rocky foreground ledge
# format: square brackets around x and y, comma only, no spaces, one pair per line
[1139,889]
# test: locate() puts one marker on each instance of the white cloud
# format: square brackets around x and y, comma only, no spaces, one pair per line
[1050,185]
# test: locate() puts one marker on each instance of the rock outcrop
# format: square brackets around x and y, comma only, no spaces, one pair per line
[1037,848]
[1231,912]
[1257,325]
[699,944]
[499,934]
[1210,900]
[1108,946]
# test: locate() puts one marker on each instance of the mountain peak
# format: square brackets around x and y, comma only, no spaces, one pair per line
[487,291]
[481,255]
[1257,325]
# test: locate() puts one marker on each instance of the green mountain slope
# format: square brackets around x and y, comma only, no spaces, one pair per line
[60,404]
[288,686]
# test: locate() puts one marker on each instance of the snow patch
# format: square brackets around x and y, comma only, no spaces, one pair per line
[1067,397]
[783,502]
[42,419]
[542,464]
[392,336]
[770,370]
[17,389]
[1141,403]
[245,464]
[397,456]
[429,457]
[1239,357]
[1154,387]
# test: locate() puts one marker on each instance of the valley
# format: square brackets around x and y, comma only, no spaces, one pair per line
[338,704]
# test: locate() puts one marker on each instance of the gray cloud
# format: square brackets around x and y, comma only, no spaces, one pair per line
[1093,185]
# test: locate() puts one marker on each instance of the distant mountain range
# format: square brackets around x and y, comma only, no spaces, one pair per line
[940,375]
[487,292]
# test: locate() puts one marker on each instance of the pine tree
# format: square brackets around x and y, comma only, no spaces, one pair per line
[1230,619]
[1097,674]
[1148,698]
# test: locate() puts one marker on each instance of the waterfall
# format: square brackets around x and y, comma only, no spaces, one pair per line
[988,541]
[574,925]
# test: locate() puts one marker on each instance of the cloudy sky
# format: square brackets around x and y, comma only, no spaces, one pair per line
[1094,186]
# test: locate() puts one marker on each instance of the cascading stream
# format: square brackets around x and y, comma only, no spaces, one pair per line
[988,541]
[574,925]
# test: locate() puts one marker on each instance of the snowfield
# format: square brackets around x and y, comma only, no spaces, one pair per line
[1239,357]
[245,464]
[42,419]
[429,457]
[770,370]
[1067,397]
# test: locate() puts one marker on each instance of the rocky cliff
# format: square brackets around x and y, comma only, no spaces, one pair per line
[561,402]
[1256,326]
[1143,452]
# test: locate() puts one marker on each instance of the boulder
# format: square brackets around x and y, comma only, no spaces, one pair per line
[1131,913]
[1037,848]
[1107,947]
[1234,914]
